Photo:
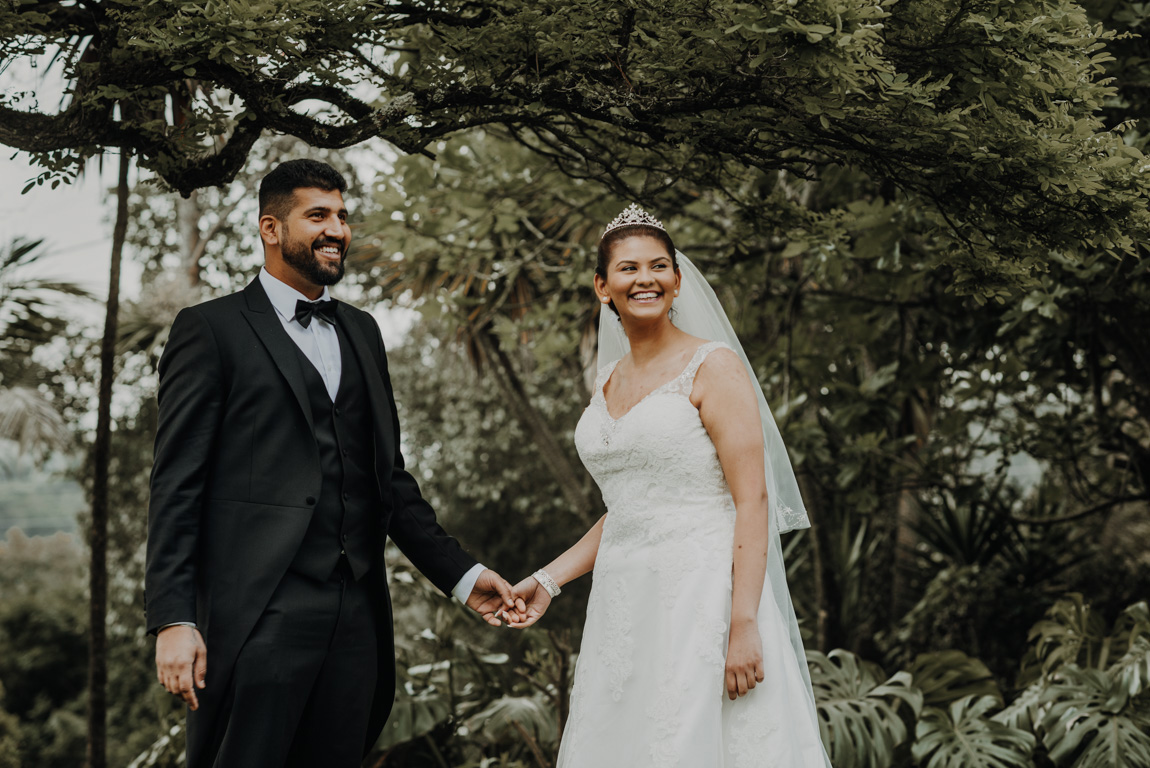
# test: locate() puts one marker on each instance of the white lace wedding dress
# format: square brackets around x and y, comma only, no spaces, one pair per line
[649,686]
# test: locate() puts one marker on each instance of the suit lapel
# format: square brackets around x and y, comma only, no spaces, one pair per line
[266,323]
[376,391]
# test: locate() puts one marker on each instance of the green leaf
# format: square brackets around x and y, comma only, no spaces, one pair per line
[1082,729]
[962,736]
[946,676]
[502,718]
[859,717]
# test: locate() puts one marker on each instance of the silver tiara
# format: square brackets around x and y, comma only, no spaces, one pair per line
[631,215]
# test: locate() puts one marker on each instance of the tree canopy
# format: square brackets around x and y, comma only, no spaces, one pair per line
[986,113]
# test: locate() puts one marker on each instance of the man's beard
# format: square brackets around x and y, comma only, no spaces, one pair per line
[302,257]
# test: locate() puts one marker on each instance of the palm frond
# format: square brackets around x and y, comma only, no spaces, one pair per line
[144,323]
[29,301]
[27,418]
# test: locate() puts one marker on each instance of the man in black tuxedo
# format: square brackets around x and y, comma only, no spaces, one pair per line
[277,477]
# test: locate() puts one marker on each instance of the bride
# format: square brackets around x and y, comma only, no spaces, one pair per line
[691,655]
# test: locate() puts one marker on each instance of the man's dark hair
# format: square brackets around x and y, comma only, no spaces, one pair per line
[277,189]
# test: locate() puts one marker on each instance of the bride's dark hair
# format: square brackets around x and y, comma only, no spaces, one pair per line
[617,235]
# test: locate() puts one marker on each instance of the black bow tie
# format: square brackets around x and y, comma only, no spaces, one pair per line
[305,310]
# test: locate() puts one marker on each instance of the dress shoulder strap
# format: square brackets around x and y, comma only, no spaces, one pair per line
[601,378]
[687,377]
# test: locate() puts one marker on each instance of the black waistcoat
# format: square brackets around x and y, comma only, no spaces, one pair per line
[347,512]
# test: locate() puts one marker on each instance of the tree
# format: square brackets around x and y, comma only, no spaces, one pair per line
[29,317]
[98,535]
[985,114]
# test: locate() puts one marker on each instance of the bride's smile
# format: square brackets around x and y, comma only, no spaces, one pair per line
[641,280]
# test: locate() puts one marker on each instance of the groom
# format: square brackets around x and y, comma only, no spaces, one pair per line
[277,477]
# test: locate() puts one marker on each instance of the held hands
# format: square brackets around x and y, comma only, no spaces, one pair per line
[182,662]
[491,597]
[744,658]
[531,602]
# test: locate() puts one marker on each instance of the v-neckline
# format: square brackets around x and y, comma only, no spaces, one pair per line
[641,400]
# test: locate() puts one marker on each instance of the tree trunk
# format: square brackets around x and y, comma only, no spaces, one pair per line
[98,536]
[191,248]
[571,481]
[828,599]
[914,420]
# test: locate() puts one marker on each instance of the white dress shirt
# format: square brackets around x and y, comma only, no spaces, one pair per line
[318,341]
[320,345]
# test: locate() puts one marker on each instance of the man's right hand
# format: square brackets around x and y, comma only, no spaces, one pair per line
[182,662]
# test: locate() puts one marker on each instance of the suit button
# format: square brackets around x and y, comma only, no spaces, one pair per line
[346,496]
[337,411]
[309,500]
[344,451]
[345,537]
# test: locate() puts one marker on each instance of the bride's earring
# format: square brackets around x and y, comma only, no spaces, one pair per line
[606,299]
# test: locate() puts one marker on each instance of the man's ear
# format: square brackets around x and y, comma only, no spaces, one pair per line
[270,229]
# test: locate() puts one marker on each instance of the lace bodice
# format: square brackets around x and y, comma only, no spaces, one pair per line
[649,682]
[655,459]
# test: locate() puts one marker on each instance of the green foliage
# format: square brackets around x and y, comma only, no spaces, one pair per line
[1092,721]
[944,677]
[962,736]
[859,718]
[43,651]
[511,717]
[9,737]
[1072,633]
[985,115]
[462,699]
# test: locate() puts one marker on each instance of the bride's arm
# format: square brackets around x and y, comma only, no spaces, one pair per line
[729,409]
[576,561]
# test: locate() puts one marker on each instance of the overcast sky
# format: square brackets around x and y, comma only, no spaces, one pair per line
[75,222]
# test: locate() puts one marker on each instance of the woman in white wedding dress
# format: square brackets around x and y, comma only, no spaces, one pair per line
[690,655]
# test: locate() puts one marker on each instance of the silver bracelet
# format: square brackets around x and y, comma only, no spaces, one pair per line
[548,583]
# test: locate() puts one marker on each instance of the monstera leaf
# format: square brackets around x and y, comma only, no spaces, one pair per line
[859,719]
[411,718]
[504,717]
[1131,638]
[1071,633]
[1131,672]
[1083,727]
[947,676]
[1027,709]
[962,736]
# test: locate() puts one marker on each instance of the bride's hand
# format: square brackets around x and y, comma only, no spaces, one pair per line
[744,658]
[531,601]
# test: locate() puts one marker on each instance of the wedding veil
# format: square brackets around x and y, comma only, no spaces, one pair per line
[698,312]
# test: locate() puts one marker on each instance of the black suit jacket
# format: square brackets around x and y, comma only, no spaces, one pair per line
[236,477]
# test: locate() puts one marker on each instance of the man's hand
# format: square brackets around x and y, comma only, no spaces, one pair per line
[531,601]
[744,669]
[182,662]
[491,596]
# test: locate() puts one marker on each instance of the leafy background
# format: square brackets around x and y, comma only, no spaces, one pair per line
[926,220]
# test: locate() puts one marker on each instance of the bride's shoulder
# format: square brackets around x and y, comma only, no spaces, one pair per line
[721,371]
